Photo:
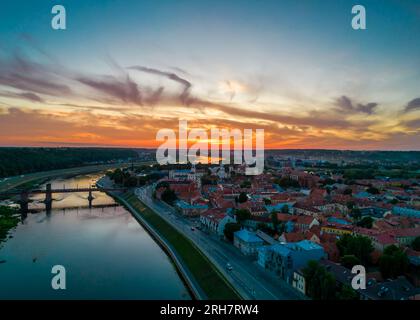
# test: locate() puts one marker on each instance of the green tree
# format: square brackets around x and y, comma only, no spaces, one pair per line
[230,229]
[169,196]
[274,220]
[393,262]
[242,197]
[372,190]
[347,293]
[9,219]
[286,182]
[246,184]
[356,214]
[242,215]
[366,222]
[416,244]
[349,261]
[320,284]
[267,201]
[359,246]
[285,209]
[347,191]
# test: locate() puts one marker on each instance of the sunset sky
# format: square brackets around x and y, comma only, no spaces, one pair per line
[125,69]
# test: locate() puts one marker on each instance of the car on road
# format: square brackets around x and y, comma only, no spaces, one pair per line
[192,228]
[229,267]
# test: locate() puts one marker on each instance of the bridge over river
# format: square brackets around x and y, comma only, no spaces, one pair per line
[48,191]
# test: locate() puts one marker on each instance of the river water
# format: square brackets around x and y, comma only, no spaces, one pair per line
[105,252]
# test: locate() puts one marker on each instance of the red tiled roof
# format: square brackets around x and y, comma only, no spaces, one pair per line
[293,236]
[385,239]
[408,232]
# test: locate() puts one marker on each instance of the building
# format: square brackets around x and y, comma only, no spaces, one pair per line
[190,210]
[300,208]
[407,212]
[299,282]
[337,229]
[283,258]
[398,289]
[383,240]
[248,242]
[215,220]
[305,222]
[405,236]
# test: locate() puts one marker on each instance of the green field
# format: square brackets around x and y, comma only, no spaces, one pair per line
[205,273]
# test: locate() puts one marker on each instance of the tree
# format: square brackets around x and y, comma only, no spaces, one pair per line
[347,191]
[274,220]
[393,262]
[416,244]
[286,182]
[208,179]
[366,222]
[285,209]
[372,190]
[169,196]
[242,197]
[267,201]
[161,184]
[359,246]
[230,229]
[8,220]
[356,214]
[320,284]
[347,293]
[130,182]
[246,184]
[242,215]
[349,261]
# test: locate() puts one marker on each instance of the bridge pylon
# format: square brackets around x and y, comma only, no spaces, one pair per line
[90,198]
[48,197]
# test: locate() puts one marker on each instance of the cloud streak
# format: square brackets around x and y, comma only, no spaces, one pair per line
[412,105]
[184,96]
[346,105]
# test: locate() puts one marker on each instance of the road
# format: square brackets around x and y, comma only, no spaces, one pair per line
[251,281]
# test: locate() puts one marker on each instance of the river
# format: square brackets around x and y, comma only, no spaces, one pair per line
[105,251]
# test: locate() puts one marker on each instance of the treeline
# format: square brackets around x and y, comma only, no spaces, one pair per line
[17,161]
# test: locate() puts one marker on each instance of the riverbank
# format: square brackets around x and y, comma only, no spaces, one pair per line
[9,219]
[199,272]
[38,177]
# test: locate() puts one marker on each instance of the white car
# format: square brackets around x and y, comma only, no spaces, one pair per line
[229,267]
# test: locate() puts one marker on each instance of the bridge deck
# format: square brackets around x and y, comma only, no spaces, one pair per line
[69,190]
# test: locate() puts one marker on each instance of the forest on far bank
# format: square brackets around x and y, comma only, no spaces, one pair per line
[17,161]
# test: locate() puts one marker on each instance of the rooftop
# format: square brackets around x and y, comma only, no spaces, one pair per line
[247,236]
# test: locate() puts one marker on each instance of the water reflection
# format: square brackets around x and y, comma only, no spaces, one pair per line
[106,253]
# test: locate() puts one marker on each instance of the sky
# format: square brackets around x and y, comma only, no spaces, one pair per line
[122,70]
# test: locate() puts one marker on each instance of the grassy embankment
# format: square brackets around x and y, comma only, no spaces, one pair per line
[9,219]
[205,273]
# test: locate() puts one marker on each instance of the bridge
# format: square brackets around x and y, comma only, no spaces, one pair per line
[48,191]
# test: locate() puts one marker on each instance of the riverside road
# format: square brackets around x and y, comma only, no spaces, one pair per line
[248,278]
